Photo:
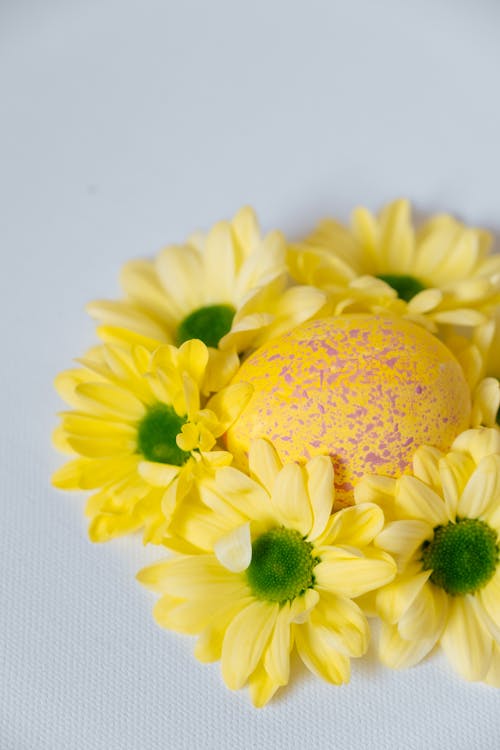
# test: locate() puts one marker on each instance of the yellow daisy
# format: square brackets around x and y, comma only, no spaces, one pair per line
[269,568]
[142,432]
[229,288]
[440,274]
[443,529]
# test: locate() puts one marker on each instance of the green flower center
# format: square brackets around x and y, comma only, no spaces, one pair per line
[282,566]
[406,286]
[156,435]
[463,556]
[208,323]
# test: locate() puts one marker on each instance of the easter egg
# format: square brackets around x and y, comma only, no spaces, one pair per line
[365,389]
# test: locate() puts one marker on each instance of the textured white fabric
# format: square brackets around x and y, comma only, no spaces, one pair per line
[126,124]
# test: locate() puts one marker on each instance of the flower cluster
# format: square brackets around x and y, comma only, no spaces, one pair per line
[260,558]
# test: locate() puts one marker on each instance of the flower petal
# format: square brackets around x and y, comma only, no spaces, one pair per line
[396,652]
[466,642]
[229,403]
[321,491]
[482,492]
[426,616]
[342,572]
[264,463]
[192,576]
[234,550]
[277,654]
[356,526]
[235,492]
[261,686]
[425,301]
[156,474]
[345,620]
[416,500]
[489,597]
[402,538]
[245,641]
[393,600]
[290,499]
[318,651]
[426,465]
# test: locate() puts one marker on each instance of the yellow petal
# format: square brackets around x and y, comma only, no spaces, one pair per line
[426,615]
[234,490]
[346,622]
[482,492]
[489,597]
[454,471]
[319,654]
[104,527]
[180,270]
[493,674]
[245,641]
[220,258]
[402,538]
[290,499]
[356,526]
[234,550]
[320,488]
[398,653]
[264,463]
[156,474]
[417,500]
[485,403]
[108,400]
[426,465]
[221,367]
[196,576]
[262,687]
[393,600]
[93,447]
[230,402]
[140,282]
[460,317]
[244,331]
[396,238]
[192,358]
[379,490]
[466,642]
[348,574]
[425,301]
[209,645]
[277,654]
[123,317]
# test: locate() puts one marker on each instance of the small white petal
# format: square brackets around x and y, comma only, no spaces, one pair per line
[234,550]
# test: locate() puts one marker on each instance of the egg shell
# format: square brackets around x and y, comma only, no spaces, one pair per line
[365,389]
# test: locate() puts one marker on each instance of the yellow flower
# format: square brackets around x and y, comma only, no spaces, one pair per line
[143,432]
[228,288]
[267,567]
[443,529]
[440,274]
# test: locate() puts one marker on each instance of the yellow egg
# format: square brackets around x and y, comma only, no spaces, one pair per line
[365,389]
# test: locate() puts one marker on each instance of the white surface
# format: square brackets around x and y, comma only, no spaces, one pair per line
[126,125]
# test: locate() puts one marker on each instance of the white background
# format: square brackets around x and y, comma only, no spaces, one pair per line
[125,125]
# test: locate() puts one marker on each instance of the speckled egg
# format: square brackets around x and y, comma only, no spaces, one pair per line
[365,389]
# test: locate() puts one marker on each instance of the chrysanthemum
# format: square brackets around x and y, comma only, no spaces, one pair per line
[229,288]
[142,433]
[440,274]
[268,569]
[444,531]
